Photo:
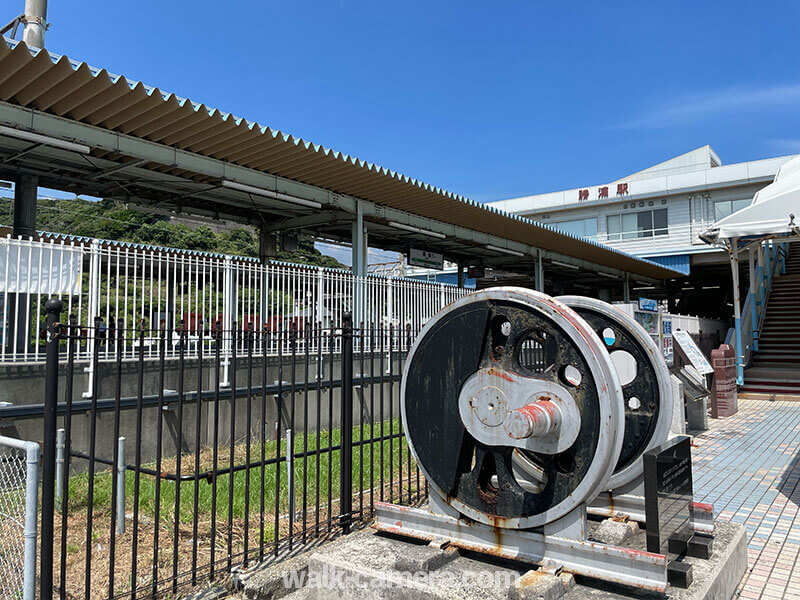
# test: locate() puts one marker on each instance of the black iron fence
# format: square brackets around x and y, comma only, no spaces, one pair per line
[146,494]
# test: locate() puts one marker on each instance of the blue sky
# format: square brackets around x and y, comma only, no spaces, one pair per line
[486,99]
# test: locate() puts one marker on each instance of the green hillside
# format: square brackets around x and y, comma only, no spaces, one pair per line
[110,220]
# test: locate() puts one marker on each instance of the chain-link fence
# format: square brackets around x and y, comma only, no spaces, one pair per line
[19,463]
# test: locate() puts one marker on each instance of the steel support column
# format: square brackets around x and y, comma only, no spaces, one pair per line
[767,264]
[359,247]
[626,289]
[539,273]
[751,256]
[783,250]
[460,275]
[26,189]
[762,263]
[737,310]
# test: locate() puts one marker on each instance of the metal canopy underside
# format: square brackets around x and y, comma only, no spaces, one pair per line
[156,149]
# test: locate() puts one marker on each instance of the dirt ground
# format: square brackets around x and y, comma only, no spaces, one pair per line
[170,572]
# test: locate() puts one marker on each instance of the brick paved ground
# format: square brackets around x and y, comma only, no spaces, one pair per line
[748,467]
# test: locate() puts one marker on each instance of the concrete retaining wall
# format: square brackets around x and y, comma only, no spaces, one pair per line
[24,385]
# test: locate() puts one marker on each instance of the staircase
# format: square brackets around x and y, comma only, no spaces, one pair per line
[775,370]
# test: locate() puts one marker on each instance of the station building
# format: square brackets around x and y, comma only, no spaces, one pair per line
[659,213]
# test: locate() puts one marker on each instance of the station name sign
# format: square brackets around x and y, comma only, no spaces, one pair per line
[425,258]
[602,192]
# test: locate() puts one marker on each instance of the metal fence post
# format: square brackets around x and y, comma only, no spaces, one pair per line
[8,585]
[346,469]
[95,260]
[290,473]
[53,308]
[31,502]
[121,486]
[60,446]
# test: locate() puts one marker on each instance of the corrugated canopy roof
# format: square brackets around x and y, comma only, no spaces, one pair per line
[58,85]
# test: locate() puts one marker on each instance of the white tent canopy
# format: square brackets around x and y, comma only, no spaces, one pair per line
[771,213]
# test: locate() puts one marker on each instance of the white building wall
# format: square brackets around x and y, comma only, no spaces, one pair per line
[688,215]
[738,174]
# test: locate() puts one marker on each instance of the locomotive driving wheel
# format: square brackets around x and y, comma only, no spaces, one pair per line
[644,378]
[512,408]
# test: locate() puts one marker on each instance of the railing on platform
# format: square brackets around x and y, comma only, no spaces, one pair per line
[124,284]
[673,236]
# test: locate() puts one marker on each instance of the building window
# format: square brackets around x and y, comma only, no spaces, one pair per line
[723,208]
[633,225]
[579,227]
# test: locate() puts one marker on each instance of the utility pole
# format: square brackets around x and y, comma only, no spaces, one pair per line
[35,23]
[26,185]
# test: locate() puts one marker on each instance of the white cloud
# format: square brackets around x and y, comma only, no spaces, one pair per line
[691,109]
[784,146]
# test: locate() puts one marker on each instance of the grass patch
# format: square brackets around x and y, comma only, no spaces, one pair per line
[384,460]
[321,474]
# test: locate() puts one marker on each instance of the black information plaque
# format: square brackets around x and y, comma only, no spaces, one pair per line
[668,496]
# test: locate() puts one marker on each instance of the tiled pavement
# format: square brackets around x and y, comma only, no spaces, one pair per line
[748,467]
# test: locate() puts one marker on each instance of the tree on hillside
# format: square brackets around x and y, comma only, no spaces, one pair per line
[110,220]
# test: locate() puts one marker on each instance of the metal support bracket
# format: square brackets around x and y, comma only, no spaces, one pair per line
[169,397]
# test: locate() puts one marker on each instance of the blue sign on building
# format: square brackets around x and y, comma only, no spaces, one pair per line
[648,304]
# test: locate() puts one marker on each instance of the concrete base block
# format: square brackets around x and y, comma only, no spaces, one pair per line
[678,426]
[713,579]
[426,558]
[615,533]
[537,585]
[568,579]
[276,580]
[697,414]
[365,565]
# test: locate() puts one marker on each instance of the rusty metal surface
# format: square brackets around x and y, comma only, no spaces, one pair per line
[493,400]
[539,418]
[640,423]
[637,568]
[631,505]
[646,421]
[543,339]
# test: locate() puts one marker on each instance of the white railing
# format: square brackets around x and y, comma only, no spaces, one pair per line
[114,286]
[648,240]
[697,325]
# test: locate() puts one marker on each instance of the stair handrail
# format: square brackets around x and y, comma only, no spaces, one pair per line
[774,264]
